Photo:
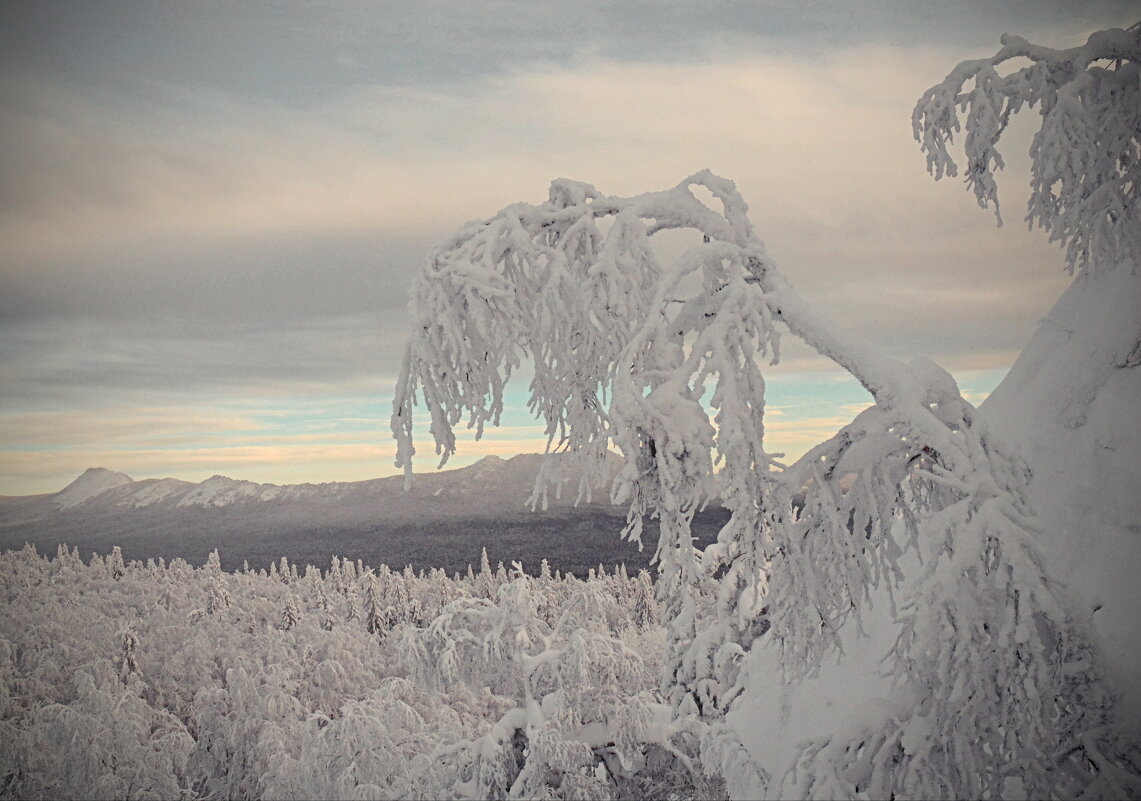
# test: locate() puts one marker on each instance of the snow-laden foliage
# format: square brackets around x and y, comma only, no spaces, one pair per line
[116,682]
[585,723]
[663,362]
[1086,157]
[1085,186]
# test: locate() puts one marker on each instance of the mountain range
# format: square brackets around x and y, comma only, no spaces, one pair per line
[443,520]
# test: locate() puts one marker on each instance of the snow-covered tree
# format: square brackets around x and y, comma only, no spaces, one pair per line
[1086,164]
[115,563]
[107,743]
[328,614]
[584,722]
[291,614]
[645,607]
[487,585]
[1071,401]
[218,597]
[378,616]
[663,361]
[129,661]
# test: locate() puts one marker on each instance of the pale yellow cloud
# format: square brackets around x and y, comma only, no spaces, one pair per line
[794,436]
[127,424]
[45,451]
[800,139]
[822,151]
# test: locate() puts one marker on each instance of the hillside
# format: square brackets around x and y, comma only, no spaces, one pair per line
[444,520]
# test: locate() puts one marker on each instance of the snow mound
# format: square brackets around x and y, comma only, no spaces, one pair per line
[1071,407]
[485,471]
[94,481]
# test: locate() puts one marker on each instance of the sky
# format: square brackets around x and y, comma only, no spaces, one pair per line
[210,213]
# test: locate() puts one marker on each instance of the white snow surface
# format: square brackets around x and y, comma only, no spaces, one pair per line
[777,718]
[94,481]
[145,493]
[223,491]
[1071,407]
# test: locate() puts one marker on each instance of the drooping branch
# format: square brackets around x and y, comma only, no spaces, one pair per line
[664,362]
[599,318]
[1086,157]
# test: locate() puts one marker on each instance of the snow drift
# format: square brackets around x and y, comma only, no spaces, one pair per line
[1071,407]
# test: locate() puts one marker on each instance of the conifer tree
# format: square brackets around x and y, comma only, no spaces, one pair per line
[645,606]
[376,616]
[115,563]
[336,577]
[486,578]
[328,615]
[291,614]
[129,660]
[219,596]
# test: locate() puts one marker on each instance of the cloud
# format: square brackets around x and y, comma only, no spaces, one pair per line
[108,166]
[166,238]
[108,171]
[46,451]
[127,425]
[204,191]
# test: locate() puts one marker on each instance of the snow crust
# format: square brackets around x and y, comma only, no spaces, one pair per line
[1071,407]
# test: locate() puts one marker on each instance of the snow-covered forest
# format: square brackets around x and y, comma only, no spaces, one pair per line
[929,604]
[156,680]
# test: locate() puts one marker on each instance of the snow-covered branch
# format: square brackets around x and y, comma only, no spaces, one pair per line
[1086,157]
[664,361]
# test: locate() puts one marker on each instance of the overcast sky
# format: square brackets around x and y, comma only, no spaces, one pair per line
[210,212]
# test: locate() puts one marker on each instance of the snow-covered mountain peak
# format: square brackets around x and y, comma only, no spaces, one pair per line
[487,464]
[152,491]
[94,481]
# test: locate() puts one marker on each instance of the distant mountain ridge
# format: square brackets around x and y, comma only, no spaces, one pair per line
[493,484]
[444,520]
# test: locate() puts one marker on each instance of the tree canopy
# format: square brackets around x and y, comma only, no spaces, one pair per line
[664,361]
